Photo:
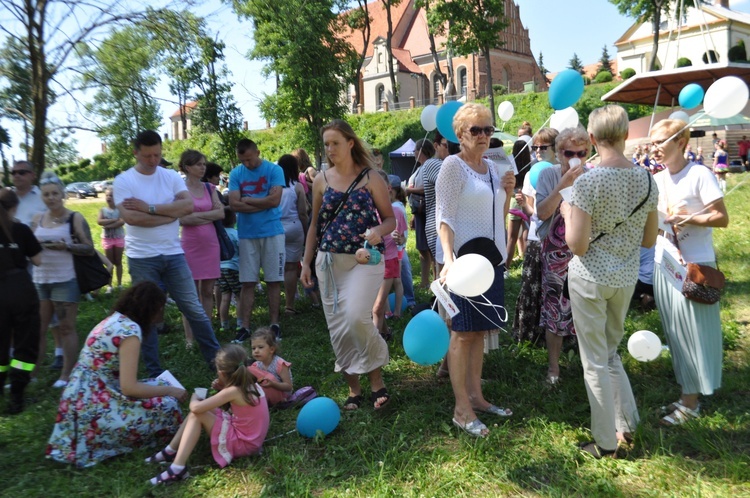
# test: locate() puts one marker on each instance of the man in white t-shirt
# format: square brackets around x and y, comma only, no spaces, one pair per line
[29,196]
[151,199]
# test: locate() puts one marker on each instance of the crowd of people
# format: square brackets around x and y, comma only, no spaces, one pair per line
[342,233]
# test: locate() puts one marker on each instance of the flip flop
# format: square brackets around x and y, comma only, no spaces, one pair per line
[474,428]
[353,400]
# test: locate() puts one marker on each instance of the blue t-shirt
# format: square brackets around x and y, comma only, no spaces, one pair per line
[234,263]
[257,183]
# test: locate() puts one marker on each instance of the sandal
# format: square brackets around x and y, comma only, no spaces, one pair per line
[353,400]
[670,407]
[380,393]
[496,410]
[161,457]
[291,311]
[595,450]
[171,476]
[474,428]
[680,415]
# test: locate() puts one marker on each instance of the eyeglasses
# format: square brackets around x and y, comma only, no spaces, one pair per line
[573,153]
[656,144]
[21,172]
[478,130]
[540,147]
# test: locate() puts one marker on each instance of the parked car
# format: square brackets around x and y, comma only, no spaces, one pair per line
[101,186]
[81,190]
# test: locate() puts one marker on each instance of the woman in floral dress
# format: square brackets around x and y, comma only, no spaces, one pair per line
[104,410]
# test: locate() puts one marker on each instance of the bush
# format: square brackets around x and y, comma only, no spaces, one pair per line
[684,62]
[603,77]
[627,73]
[499,89]
[737,53]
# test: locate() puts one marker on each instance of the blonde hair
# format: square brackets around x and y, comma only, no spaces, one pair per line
[49,178]
[609,124]
[467,114]
[676,127]
[231,360]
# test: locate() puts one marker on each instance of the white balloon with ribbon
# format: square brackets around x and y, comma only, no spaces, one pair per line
[726,97]
[681,115]
[564,119]
[505,111]
[427,118]
[470,275]
[644,345]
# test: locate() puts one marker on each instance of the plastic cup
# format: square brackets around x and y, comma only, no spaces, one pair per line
[566,193]
[201,392]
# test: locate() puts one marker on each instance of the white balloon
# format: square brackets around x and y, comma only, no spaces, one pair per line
[470,275]
[726,97]
[429,113]
[505,111]
[564,119]
[681,115]
[644,345]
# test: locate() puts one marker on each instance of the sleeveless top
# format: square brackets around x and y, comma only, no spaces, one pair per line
[288,204]
[273,368]
[357,214]
[112,233]
[56,266]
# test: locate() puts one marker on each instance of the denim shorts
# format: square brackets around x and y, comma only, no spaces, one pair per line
[61,292]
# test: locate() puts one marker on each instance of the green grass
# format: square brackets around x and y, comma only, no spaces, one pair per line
[412,450]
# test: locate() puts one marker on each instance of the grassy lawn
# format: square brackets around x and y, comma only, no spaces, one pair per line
[413,450]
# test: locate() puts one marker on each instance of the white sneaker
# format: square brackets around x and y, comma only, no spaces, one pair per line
[109,290]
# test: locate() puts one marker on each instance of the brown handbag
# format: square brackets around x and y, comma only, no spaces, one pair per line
[703,284]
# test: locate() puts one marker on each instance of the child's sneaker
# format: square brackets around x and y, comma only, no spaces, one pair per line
[242,335]
[276,330]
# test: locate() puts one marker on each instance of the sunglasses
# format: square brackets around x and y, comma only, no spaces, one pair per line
[478,130]
[573,153]
[21,172]
[540,147]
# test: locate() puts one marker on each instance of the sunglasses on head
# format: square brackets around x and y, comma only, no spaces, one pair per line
[477,130]
[573,153]
[540,147]
[21,172]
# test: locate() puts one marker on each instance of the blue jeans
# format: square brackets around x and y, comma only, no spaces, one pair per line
[406,280]
[174,273]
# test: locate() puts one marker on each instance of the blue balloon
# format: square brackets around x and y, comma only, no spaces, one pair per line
[536,170]
[392,303]
[691,96]
[426,338]
[320,414]
[565,89]
[444,119]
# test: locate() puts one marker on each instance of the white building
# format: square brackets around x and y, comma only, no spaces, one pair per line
[703,35]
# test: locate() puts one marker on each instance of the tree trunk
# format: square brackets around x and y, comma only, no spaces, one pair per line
[491,93]
[389,38]
[39,85]
[450,86]
[362,56]
[655,47]
[435,58]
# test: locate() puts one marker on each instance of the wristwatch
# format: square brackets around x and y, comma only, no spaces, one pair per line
[151,209]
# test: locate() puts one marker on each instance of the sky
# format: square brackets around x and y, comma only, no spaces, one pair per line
[557,29]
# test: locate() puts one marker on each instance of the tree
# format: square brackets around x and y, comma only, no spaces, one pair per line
[314,62]
[543,69]
[49,32]
[604,63]
[4,142]
[575,64]
[472,26]
[359,20]
[651,10]
[387,4]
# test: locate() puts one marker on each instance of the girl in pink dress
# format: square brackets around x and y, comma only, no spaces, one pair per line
[238,432]
[199,239]
[271,370]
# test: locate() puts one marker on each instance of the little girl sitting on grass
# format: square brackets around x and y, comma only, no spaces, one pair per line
[235,433]
[271,370]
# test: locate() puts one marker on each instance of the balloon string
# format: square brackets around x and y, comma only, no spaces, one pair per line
[526,145]
[695,117]
[493,306]
[414,168]
[712,203]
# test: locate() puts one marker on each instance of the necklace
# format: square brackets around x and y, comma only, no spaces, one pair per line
[59,220]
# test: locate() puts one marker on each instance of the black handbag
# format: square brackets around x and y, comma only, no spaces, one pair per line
[226,248]
[91,273]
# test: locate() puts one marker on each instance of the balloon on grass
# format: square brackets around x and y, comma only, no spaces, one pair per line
[392,303]
[470,275]
[565,89]
[564,119]
[681,115]
[505,111]
[726,97]
[444,119]
[320,414]
[427,118]
[536,170]
[691,96]
[426,338]
[644,345]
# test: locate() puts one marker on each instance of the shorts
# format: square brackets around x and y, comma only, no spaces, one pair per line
[392,268]
[268,253]
[59,292]
[110,243]
[229,281]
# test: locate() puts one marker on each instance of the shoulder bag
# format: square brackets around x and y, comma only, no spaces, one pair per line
[703,284]
[226,248]
[91,273]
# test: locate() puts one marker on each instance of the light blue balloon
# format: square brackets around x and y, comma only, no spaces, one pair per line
[444,120]
[320,414]
[536,170]
[565,89]
[426,338]
[691,96]
[392,303]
